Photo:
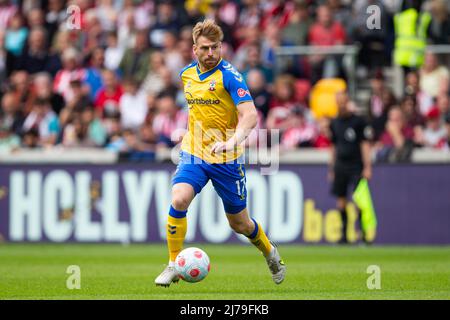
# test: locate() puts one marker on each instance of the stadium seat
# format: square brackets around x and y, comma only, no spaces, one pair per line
[322,98]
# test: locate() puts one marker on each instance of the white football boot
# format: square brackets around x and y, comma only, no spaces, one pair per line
[166,277]
[276,264]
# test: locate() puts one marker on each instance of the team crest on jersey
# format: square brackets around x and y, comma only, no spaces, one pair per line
[212,85]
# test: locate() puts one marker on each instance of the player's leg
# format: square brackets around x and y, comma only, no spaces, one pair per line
[189,179]
[229,182]
[182,195]
[339,190]
[341,204]
[241,223]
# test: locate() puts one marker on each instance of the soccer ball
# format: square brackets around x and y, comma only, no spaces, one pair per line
[192,264]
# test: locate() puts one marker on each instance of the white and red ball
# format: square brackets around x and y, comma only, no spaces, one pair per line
[192,264]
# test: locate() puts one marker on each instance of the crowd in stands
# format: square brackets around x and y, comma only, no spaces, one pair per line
[109,78]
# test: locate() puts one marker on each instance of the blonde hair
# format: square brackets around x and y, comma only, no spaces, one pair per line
[209,29]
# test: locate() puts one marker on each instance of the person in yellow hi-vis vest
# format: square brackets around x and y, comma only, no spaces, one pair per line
[411,29]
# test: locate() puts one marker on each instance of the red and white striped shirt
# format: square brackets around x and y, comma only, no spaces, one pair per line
[165,125]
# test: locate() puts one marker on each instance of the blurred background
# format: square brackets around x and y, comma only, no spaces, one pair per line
[97,82]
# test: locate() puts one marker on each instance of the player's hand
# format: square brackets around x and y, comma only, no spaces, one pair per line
[220,147]
[367,173]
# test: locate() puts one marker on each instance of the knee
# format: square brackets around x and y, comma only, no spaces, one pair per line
[181,198]
[245,227]
[180,203]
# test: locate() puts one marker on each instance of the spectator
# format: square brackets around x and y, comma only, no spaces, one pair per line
[169,118]
[167,19]
[381,100]
[140,12]
[36,57]
[276,12]
[434,78]
[412,88]
[252,36]
[173,56]
[16,35]
[45,121]
[272,40]
[411,28]
[228,11]
[93,74]
[133,105]
[410,111]
[254,61]
[96,132]
[106,14]
[114,52]
[439,30]
[10,114]
[42,88]
[36,19]
[127,30]
[397,141]
[9,141]
[81,99]
[153,83]
[443,104]
[135,61]
[55,16]
[301,133]
[108,97]
[249,17]
[325,32]
[7,11]
[374,53]
[214,13]
[93,35]
[257,85]
[342,13]
[323,139]
[297,29]
[20,83]
[30,139]
[434,135]
[70,71]
[282,104]
[75,134]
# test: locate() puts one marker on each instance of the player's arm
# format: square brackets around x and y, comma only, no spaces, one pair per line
[366,151]
[248,118]
[331,162]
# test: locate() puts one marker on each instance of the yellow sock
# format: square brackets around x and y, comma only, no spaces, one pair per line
[176,232]
[259,239]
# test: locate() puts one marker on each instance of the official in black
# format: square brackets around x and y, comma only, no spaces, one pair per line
[350,154]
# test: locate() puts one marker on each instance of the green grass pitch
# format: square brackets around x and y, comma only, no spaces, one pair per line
[38,271]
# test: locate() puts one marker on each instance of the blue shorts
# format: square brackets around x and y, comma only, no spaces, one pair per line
[228,179]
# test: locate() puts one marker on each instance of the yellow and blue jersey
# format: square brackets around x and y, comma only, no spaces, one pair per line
[212,97]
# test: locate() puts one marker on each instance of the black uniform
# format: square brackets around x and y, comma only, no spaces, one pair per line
[347,134]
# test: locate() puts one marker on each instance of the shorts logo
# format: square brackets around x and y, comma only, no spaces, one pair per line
[241,92]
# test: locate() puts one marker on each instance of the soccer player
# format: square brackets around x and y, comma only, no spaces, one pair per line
[217,97]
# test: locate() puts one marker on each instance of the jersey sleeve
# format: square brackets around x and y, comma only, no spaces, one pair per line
[235,85]
[365,131]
